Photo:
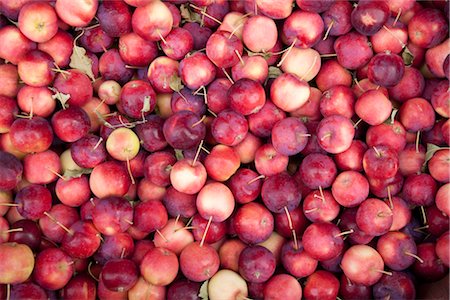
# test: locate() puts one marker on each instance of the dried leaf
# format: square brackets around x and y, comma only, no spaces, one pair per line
[431,150]
[274,72]
[76,173]
[175,83]
[80,61]
[408,57]
[203,292]
[188,15]
[265,55]
[179,154]
[61,97]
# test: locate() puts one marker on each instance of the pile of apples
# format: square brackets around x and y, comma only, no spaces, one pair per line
[245,149]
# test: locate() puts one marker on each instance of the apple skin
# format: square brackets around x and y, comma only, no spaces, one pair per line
[159,266]
[11,171]
[76,13]
[109,179]
[8,111]
[38,21]
[54,269]
[16,263]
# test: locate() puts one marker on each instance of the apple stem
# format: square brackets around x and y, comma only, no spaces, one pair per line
[398,16]
[311,68]
[424,216]
[197,153]
[128,221]
[177,219]
[349,282]
[203,12]
[56,173]
[206,150]
[393,114]
[274,53]
[103,48]
[133,67]
[161,235]
[98,106]
[57,69]
[328,55]
[417,141]
[212,113]
[325,136]
[70,232]
[294,236]
[126,125]
[122,254]
[10,204]
[90,272]
[328,30]
[357,123]
[376,151]
[8,291]
[77,37]
[129,171]
[31,110]
[50,241]
[13,22]
[206,231]
[287,52]
[338,222]
[415,256]
[197,91]
[234,30]
[419,229]
[239,56]
[291,227]
[321,194]
[308,211]
[189,221]
[384,272]
[199,121]
[388,297]
[384,214]
[187,228]
[227,75]
[347,232]
[359,85]
[205,94]
[256,178]
[337,298]
[12,230]
[22,116]
[391,204]
[100,140]
[182,97]
[161,37]
[396,37]
[319,197]
[89,27]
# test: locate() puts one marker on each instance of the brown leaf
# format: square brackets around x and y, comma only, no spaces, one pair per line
[80,61]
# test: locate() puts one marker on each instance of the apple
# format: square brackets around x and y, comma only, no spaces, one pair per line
[17,263]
